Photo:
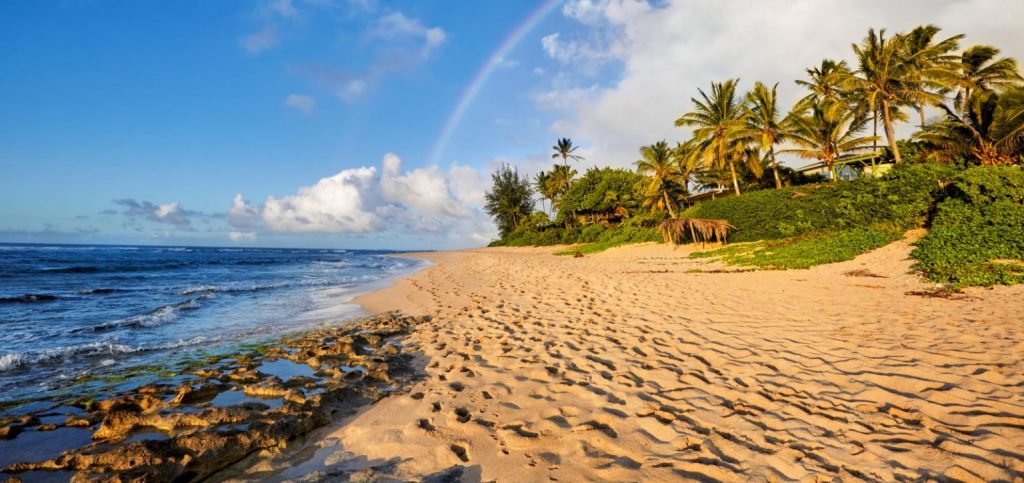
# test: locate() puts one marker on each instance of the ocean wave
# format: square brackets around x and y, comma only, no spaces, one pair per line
[30,298]
[103,348]
[102,291]
[84,269]
[153,318]
[211,289]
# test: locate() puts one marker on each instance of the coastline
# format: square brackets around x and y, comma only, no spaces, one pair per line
[637,363]
[627,365]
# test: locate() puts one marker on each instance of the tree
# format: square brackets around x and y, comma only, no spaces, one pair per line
[665,182]
[765,124]
[719,122]
[888,78]
[979,69]
[990,132]
[931,62]
[564,149]
[560,180]
[826,131]
[828,82]
[542,183]
[510,199]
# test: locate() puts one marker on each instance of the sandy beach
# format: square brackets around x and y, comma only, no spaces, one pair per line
[630,365]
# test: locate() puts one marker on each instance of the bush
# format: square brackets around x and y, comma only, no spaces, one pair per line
[900,200]
[977,233]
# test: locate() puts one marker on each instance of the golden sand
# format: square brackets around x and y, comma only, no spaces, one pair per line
[627,365]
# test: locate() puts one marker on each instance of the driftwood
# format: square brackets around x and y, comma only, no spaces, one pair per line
[698,229]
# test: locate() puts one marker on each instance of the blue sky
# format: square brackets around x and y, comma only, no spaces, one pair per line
[313,122]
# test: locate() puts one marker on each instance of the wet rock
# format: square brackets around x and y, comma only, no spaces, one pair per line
[189,393]
[10,431]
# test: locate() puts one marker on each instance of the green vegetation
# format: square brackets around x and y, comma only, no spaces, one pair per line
[802,252]
[977,233]
[958,175]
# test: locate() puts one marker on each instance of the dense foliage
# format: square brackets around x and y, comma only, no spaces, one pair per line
[898,201]
[977,234]
[605,191]
[510,200]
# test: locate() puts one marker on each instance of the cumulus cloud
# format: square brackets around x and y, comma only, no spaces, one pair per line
[169,213]
[668,49]
[300,102]
[368,200]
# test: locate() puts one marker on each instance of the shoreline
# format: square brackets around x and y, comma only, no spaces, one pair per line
[637,363]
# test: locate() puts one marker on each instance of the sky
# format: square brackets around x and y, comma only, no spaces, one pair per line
[369,123]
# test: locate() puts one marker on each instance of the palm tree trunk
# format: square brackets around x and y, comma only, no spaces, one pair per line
[735,182]
[920,110]
[890,134]
[874,116]
[832,170]
[668,204]
[775,167]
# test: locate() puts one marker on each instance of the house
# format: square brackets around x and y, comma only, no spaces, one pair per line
[851,166]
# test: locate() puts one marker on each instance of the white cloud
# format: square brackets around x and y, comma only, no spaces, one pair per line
[334,205]
[260,40]
[669,50]
[301,102]
[396,26]
[363,200]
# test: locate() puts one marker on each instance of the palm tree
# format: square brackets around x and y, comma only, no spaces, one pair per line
[510,199]
[979,69]
[665,179]
[991,131]
[828,82]
[540,182]
[886,80]
[564,149]
[560,179]
[931,61]
[826,131]
[719,122]
[765,124]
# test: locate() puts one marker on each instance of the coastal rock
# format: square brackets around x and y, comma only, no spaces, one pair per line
[201,439]
[189,393]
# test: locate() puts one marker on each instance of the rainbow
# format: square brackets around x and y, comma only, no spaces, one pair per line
[472,90]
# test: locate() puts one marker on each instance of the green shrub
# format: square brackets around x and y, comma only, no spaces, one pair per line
[899,200]
[600,191]
[803,252]
[977,234]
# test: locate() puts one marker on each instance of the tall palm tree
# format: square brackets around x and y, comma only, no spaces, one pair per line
[990,132]
[665,179]
[979,69]
[932,62]
[765,123]
[541,181]
[719,122]
[564,149]
[826,131]
[827,82]
[885,78]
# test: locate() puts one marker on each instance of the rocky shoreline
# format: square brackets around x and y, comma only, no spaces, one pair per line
[219,414]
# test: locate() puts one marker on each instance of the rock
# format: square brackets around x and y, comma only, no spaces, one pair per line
[189,393]
[10,431]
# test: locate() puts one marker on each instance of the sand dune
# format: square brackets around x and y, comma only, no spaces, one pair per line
[627,366]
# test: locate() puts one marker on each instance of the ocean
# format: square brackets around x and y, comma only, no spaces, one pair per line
[80,320]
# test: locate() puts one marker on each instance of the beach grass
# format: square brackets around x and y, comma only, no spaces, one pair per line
[802,252]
